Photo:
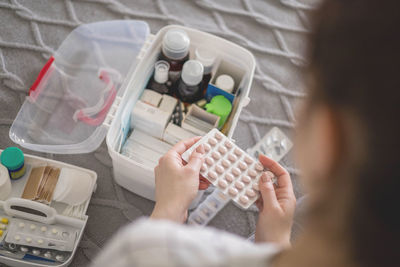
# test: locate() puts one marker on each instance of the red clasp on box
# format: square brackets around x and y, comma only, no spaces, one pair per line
[42,73]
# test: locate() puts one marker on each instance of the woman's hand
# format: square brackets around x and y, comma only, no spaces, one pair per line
[177,184]
[276,205]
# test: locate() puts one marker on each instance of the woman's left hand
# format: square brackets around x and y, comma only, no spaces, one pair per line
[177,184]
[276,205]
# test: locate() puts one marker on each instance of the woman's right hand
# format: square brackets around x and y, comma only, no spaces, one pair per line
[276,205]
[177,182]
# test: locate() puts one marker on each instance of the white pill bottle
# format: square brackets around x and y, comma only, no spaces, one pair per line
[5,183]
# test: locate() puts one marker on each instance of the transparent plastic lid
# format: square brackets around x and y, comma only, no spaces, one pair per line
[73,93]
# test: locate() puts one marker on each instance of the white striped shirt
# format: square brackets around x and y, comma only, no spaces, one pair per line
[148,242]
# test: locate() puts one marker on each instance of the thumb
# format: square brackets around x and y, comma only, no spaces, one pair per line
[196,159]
[268,191]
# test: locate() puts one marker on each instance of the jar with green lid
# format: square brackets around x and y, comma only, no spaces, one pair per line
[220,106]
[13,159]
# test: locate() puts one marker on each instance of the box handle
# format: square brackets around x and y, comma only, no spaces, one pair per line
[101,111]
[31,210]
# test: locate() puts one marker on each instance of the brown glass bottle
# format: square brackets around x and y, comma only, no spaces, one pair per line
[189,87]
[207,58]
[175,50]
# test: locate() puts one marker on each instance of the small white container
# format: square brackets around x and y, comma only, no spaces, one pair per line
[5,183]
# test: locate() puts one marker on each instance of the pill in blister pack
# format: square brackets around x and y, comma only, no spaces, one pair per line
[39,253]
[208,208]
[3,227]
[197,217]
[28,233]
[229,168]
[275,144]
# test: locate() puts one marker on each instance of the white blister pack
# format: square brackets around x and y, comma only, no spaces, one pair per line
[229,168]
[207,210]
[275,145]
[28,233]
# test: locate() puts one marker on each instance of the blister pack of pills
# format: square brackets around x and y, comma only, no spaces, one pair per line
[207,209]
[34,253]
[28,233]
[229,168]
[4,221]
[275,145]
[216,201]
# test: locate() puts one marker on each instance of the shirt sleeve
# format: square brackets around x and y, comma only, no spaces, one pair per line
[149,242]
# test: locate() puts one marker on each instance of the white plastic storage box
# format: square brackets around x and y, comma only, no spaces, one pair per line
[105,66]
[13,199]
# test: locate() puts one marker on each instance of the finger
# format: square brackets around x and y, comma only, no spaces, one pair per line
[259,203]
[196,159]
[156,170]
[267,192]
[184,145]
[280,172]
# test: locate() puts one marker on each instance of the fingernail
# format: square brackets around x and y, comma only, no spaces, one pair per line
[200,149]
[265,178]
[269,174]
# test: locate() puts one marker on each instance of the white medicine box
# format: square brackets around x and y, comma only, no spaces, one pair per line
[87,90]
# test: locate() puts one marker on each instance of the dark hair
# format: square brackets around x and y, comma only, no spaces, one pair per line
[355,58]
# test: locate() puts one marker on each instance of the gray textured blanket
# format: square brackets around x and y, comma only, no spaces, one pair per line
[275,31]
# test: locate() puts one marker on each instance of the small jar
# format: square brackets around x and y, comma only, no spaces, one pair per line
[175,50]
[225,82]
[220,106]
[159,82]
[13,159]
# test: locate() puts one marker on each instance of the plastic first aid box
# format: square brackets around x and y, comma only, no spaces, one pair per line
[87,90]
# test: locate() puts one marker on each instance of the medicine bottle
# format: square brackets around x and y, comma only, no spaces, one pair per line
[175,50]
[5,184]
[225,82]
[159,82]
[207,58]
[13,159]
[189,87]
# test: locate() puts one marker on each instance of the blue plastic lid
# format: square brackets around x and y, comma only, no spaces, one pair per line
[12,158]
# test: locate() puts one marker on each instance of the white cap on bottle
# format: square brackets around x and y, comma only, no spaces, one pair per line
[192,72]
[206,57]
[176,44]
[161,69]
[225,82]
